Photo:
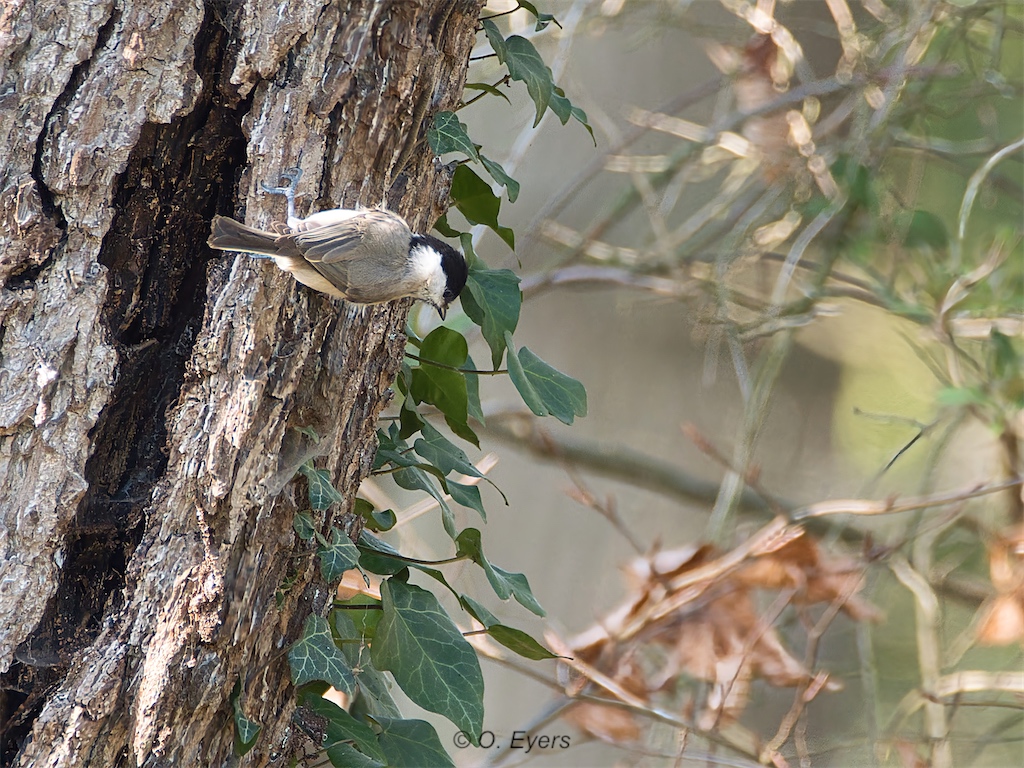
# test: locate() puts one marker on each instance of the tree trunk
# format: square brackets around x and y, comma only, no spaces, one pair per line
[150,388]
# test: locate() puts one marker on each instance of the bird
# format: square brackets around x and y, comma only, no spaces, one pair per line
[362,255]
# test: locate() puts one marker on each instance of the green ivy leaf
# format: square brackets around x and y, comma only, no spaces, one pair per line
[316,657]
[543,388]
[492,300]
[505,584]
[473,406]
[565,109]
[363,614]
[416,479]
[468,496]
[321,492]
[412,744]
[430,659]
[526,65]
[543,19]
[522,383]
[342,755]
[442,453]
[478,611]
[443,387]
[302,522]
[377,556]
[487,87]
[447,134]
[246,730]
[475,200]
[496,39]
[337,556]
[343,728]
[498,174]
[518,641]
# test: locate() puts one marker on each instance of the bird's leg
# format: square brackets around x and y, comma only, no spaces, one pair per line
[292,175]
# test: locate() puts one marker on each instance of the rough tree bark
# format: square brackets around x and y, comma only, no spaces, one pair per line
[148,387]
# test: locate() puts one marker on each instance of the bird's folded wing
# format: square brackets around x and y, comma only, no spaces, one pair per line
[373,232]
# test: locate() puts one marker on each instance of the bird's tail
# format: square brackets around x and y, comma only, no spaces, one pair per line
[229,235]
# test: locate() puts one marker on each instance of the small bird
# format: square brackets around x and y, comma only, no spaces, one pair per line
[366,256]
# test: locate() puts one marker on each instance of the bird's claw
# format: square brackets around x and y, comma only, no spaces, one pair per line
[292,175]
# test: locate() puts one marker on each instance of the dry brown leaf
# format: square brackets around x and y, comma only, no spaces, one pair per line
[606,723]
[1002,618]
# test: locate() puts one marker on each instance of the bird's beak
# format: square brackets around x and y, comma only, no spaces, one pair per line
[441,310]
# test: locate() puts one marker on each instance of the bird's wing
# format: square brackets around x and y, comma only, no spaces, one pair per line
[372,233]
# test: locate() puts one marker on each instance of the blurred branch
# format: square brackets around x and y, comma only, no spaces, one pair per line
[892,505]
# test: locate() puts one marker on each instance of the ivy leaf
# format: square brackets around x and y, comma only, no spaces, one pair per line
[478,611]
[442,453]
[520,587]
[430,659]
[302,522]
[492,300]
[316,657]
[337,556]
[505,584]
[358,621]
[526,65]
[246,730]
[544,389]
[342,755]
[565,109]
[491,89]
[498,174]
[416,479]
[475,200]
[473,406]
[342,728]
[377,556]
[443,387]
[518,641]
[321,492]
[447,134]
[469,496]
[522,383]
[543,19]
[496,39]
[412,744]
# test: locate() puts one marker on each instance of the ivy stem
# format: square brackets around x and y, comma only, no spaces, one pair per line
[415,561]
[503,13]
[436,364]
[481,58]
[475,632]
